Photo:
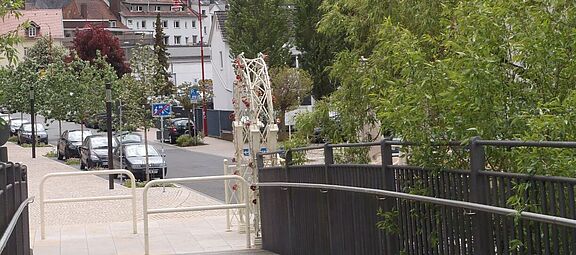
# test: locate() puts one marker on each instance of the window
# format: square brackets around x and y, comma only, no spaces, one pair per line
[194,39]
[176,24]
[186,40]
[185,24]
[221,60]
[203,12]
[164,23]
[157,8]
[32,31]
[177,39]
[112,23]
[139,8]
[143,24]
[166,40]
[130,22]
[204,29]
[194,24]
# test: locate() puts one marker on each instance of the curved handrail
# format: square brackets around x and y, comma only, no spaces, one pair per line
[434,200]
[12,224]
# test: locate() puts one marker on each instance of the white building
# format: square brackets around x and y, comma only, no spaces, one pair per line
[180,23]
[222,69]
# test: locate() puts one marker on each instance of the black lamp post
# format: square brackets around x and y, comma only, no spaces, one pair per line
[33,120]
[109,131]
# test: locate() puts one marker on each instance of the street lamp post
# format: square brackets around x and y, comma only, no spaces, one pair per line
[109,131]
[33,120]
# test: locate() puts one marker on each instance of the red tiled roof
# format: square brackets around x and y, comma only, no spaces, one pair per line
[49,21]
[96,9]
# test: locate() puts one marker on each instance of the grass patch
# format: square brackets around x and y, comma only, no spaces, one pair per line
[73,161]
[29,145]
[13,139]
[51,154]
[127,183]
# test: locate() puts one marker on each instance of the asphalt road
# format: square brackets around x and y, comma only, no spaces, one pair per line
[181,162]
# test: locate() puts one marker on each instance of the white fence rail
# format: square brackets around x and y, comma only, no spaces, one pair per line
[146,211]
[44,201]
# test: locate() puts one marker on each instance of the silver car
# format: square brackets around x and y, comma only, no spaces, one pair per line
[15,125]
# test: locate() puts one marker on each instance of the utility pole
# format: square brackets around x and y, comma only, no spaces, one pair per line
[204,110]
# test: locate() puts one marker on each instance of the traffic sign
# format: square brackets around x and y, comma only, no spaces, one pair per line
[161,109]
[194,95]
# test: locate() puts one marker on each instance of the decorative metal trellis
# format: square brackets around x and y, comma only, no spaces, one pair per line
[254,125]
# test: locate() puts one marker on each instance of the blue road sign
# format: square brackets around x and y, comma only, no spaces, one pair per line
[161,110]
[194,95]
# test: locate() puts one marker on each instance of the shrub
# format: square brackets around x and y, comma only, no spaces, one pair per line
[51,154]
[73,161]
[188,140]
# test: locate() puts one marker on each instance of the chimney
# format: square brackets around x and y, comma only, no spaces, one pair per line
[84,10]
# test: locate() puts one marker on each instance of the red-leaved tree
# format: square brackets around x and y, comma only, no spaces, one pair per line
[88,41]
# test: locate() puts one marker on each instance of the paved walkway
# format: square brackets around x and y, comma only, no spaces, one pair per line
[104,227]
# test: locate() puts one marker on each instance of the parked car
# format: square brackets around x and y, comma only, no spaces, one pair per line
[5,117]
[178,127]
[25,133]
[134,159]
[4,109]
[129,137]
[15,125]
[69,143]
[94,151]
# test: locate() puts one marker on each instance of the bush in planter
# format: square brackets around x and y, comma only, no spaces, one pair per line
[188,140]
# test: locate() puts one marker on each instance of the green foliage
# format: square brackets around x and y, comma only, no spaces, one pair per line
[255,26]
[298,157]
[289,87]
[431,71]
[188,140]
[318,49]
[164,86]
[351,155]
[10,8]
[389,221]
[13,139]
[50,154]
[136,90]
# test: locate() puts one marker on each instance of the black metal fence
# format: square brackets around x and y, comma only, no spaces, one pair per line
[304,221]
[13,192]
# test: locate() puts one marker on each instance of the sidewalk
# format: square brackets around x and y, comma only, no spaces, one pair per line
[104,227]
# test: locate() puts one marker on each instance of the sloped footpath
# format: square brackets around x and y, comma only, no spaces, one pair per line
[104,227]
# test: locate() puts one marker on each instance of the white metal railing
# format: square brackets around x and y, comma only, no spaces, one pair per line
[44,201]
[146,211]
[12,224]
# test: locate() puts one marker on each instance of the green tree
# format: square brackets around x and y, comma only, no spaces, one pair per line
[255,26]
[289,87]
[165,86]
[136,91]
[11,38]
[318,49]
[450,70]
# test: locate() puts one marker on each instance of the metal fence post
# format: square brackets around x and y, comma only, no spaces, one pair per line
[391,239]
[328,154]
[481,220]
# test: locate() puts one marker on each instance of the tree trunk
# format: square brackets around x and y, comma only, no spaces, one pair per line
[282,124]
[146,150]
